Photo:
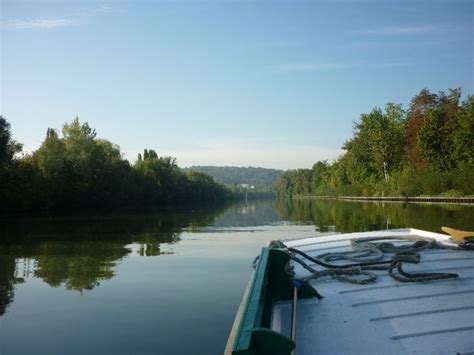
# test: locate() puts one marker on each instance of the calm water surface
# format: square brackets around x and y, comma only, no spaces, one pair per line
[159,283]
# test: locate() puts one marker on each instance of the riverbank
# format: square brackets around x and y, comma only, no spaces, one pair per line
[432,199]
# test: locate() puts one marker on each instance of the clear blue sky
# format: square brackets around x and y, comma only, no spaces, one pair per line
[262,83]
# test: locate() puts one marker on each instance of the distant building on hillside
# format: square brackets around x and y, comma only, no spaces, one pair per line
[246,186]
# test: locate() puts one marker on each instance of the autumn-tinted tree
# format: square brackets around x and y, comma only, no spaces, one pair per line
[419,106]
[436,135]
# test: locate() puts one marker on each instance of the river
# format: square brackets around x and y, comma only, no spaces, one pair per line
[160,282]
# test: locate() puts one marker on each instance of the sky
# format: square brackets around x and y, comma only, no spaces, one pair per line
[277,84]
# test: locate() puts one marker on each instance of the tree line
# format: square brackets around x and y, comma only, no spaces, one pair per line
[76,169]
[427,149]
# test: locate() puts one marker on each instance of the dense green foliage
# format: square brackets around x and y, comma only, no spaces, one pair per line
[79,170]
[425,150]
[260,178]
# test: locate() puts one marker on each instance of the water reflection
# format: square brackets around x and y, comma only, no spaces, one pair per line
[7,280]
[250,214]
[77,253]
[350,216]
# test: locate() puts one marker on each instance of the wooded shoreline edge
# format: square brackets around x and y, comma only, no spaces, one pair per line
[432,199]
[427,150]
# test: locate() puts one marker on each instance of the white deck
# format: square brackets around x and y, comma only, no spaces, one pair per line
[386,317]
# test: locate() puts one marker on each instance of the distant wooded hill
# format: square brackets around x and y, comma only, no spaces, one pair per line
[262,179]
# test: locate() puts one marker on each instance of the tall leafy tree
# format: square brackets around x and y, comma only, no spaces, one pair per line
[378,140]
[80,169]
[8,146]
[10,190]
[463,135]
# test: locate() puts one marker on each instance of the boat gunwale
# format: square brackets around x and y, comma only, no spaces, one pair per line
[389,233]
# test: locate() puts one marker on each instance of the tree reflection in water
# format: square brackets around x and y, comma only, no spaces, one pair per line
[349,216]
[77,253]
[7,279]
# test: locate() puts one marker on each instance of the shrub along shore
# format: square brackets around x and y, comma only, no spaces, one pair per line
[426,150]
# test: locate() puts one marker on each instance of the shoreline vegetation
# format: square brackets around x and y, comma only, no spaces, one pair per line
[77,170]
[426,151]
[420,199]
